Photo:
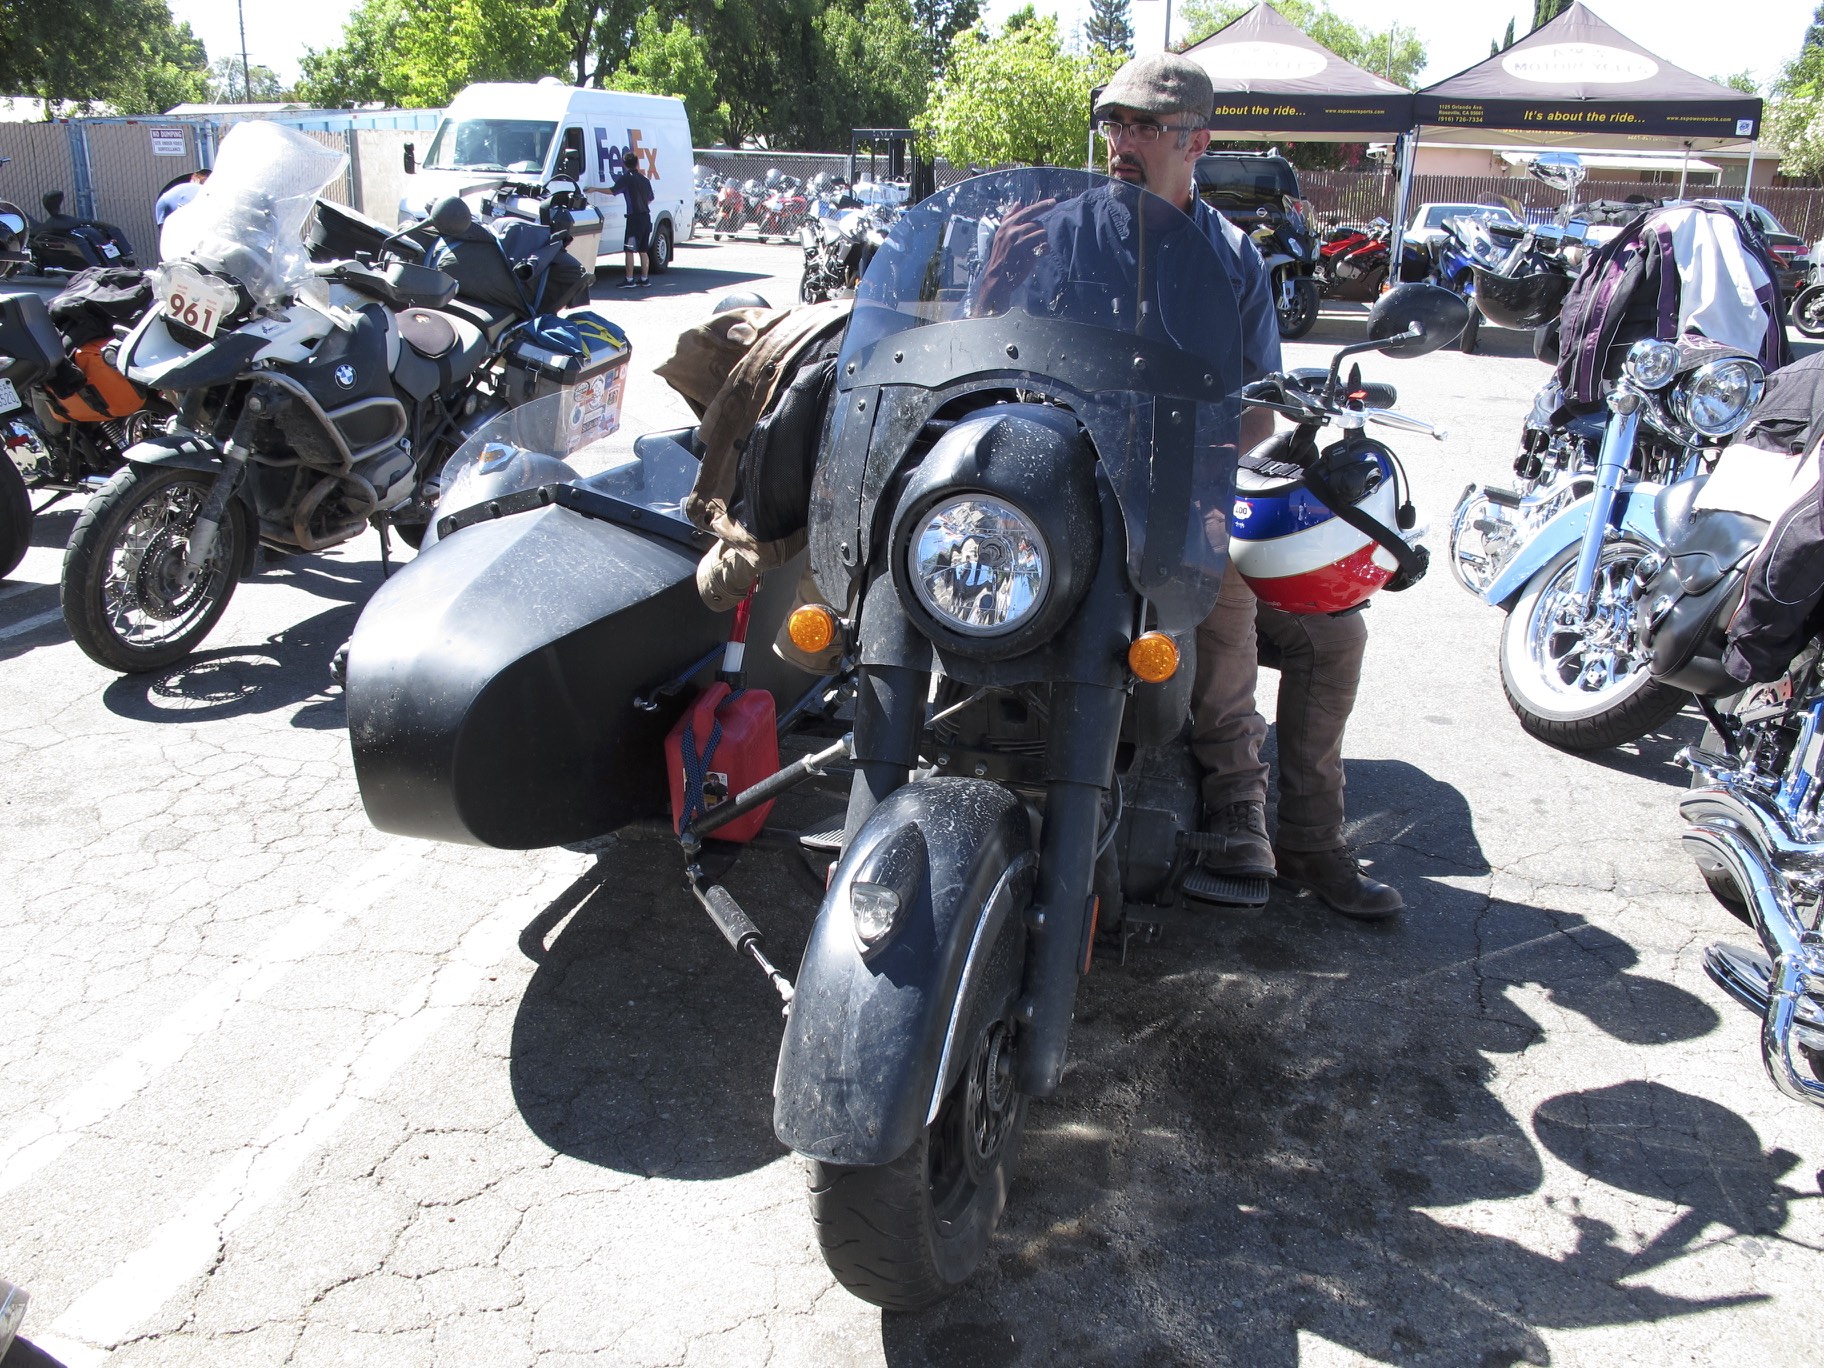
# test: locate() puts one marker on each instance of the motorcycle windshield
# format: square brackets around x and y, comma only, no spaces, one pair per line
[1072,288]
[250,218]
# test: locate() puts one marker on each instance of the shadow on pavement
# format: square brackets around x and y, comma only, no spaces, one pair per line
[1652,756]
[681,279]
[1259,1113]
[283,671]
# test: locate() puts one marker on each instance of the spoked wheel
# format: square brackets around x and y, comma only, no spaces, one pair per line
[1579,683]
[1808,311]
[15,516]
[907,1234]
[1299,313]
[130,599]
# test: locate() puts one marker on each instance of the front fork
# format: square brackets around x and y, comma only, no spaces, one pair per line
[208,525]
[1617,447]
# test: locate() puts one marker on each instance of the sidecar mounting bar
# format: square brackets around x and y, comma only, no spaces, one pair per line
[765,791]
[737,928]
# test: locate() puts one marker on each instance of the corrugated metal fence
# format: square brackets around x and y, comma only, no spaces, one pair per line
[115,169]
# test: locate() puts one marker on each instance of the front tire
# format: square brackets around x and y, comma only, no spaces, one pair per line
[906,1234]
[15,516]
[1577,685]
[1297,318]
[1472,330]
[127,599]
[1808,311]
[659,257]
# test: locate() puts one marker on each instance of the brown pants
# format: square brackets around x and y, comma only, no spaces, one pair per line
[1320,667]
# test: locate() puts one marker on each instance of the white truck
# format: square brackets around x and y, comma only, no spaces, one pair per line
[501,131]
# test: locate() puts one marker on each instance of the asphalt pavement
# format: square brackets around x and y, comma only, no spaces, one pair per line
[276,1088]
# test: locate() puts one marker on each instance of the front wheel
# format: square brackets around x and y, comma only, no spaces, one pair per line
[15,515]
[659,257]
[907,1234]
[1808,311]
[1297,317]
[131,602]
[1579,683]
[1472,330]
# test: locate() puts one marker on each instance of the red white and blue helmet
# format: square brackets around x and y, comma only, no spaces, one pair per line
[1298,556]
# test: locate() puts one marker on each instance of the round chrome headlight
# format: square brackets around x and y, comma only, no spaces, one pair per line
[1715,400]
[979,565]
[1651,363]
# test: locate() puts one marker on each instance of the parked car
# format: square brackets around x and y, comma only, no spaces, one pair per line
[1427,225]
[1787,249]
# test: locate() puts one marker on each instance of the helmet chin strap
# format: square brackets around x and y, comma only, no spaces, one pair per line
[1412,560]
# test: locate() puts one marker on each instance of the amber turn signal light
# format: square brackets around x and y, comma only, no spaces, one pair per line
[812,628]
[1153,657]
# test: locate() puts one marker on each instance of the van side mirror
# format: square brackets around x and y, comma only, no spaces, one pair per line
[569,164]
[411,159]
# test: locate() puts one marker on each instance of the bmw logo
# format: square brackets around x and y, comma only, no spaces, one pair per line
[345,375]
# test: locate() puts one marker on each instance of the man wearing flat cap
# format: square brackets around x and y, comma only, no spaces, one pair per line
[1153,118]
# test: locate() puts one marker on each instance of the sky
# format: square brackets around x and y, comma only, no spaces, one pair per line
[1759,36]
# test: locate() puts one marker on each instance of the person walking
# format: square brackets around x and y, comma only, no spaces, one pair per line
[635,191]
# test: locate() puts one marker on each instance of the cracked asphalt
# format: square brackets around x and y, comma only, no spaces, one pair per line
[276,1088]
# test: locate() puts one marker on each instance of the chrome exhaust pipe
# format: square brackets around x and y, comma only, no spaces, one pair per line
[1796,952]
[1725,807]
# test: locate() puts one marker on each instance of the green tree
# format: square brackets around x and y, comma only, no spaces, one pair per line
[939,21]
[876,70]
[1503,43]
[1014,97]
[1396,53]
[1544,11]
[1110,27]
[673,61]
[228,84]
[422,53]
[126,54]
[1741,80]
[1796,120]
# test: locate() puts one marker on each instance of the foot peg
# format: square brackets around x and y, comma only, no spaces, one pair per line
[1230,890]
[1747,976]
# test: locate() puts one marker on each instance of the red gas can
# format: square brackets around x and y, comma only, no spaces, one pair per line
[725,743]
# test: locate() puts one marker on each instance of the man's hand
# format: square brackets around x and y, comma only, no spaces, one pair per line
[1018,244]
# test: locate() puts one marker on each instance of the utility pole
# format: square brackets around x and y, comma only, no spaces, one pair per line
[246,71]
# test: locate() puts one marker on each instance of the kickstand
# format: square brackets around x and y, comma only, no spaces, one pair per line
[386,548]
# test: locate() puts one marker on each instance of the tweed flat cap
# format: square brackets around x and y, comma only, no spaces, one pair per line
[1161,83]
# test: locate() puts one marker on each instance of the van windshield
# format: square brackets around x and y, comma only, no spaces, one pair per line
[515,145]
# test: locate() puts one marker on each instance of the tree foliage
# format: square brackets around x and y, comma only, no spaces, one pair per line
[229,84]
[126,54]
[1797,118]
[1496,46]
[1110,27]
[1396,53]
[421,53]
[1016,96]
[1544,11]
[673,61]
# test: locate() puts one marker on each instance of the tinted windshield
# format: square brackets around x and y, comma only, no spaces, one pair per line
[516,145]
[1245,180]
[1066,287]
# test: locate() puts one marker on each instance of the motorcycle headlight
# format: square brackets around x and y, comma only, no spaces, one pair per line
[1716,399]
[1650,363]
[979,565]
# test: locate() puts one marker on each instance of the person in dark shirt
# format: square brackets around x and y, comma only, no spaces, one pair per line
[636,193]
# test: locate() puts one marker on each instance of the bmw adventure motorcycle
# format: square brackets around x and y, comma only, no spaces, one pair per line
[1016,520]
[312,398]
[1558,550]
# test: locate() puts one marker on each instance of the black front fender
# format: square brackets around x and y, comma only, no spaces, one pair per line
[176,447]
[860,1066]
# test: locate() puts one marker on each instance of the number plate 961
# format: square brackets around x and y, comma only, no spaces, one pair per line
[194,299]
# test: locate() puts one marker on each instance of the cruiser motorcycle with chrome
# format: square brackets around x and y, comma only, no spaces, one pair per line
[1559,548]
[1018,514]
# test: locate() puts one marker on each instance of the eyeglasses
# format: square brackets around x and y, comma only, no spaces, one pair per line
[1145,132]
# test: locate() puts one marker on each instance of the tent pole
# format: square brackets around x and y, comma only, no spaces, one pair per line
[1748,180]
[1683,167]
[1396,240]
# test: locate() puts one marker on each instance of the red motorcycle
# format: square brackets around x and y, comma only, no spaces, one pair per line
[734,209]
[783,212]
[1352,264]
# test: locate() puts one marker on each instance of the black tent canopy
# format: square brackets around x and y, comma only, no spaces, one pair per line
[1578,80]
[1274,81]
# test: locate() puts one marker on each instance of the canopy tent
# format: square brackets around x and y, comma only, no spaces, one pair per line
[1577,83]
[1275,82]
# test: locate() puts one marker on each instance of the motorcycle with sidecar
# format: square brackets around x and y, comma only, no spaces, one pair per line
[1017,516]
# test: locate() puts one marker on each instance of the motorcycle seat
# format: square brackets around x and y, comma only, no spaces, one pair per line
[492,319]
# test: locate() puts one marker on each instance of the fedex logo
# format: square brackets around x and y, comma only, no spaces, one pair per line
[609,159]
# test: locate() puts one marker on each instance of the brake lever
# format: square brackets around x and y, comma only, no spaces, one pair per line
[1405,423]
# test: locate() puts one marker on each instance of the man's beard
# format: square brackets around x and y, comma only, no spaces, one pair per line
[1128,163]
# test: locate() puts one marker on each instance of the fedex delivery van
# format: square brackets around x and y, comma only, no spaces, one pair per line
[507,131]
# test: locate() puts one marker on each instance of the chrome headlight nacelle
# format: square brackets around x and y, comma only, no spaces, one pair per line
[979,565]
[1650,363]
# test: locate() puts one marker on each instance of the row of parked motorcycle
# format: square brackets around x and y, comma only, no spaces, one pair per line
[289,374]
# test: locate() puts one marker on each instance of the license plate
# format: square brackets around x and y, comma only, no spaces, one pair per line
[9,397]
[195,300]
